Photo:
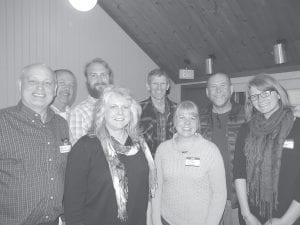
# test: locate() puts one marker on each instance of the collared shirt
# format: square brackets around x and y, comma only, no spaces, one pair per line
[31,166]
[81,118]
[65,114]
[161,125]
[157,127]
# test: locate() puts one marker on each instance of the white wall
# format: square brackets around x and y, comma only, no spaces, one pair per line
[51,31]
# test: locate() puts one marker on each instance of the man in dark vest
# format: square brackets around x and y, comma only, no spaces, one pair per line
[220,124]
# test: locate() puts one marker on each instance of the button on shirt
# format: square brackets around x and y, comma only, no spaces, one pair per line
[31,166]
[161,125]
[157,127]
[81,118]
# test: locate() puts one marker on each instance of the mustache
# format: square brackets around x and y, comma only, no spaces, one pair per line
[101,83]
[64,92]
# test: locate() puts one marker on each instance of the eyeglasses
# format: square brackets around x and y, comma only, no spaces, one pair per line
[96,75]
[264,94]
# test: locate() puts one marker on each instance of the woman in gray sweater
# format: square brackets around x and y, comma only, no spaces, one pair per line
[191,176]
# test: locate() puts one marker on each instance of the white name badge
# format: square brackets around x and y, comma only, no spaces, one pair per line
[65,148]
[192,161]
[289,143]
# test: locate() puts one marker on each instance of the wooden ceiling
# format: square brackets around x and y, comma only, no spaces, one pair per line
[183,33]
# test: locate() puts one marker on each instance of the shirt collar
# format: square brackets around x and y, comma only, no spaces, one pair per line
[92,99]
[55,109]
[167,108]
[34,115]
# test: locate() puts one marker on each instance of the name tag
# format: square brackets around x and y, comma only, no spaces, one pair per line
[192,161]
[65,148]
[289,143]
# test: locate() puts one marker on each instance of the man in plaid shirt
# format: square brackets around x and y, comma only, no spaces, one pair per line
[98,75]
[157,111]
[34,146]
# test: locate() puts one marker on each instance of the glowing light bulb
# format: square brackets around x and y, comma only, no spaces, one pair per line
[83,5]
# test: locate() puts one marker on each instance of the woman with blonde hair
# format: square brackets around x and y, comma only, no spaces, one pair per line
[190,173]
[266,163]
[110,172]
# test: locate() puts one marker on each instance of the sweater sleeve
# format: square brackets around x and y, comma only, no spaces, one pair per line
[76,180]
[218,186]
[239,162]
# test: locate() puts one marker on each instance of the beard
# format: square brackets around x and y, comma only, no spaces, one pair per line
[94,91]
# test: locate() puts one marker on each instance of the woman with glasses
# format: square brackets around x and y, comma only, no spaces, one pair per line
[190,174]
[267,156]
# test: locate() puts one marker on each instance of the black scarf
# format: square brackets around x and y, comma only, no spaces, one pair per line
[263,150]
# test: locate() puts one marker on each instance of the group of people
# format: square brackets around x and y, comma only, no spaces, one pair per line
[114,161]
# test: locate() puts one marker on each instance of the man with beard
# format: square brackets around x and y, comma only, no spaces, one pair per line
[157,111]
[220,124]
[98,75]
[66,92]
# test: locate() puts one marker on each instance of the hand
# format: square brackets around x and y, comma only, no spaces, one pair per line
[252,220]
[275,221]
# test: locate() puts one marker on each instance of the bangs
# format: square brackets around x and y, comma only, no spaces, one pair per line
[188,107]
[262,83]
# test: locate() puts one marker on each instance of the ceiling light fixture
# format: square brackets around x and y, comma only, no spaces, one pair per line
[83,5]
[209,62]
[279,52]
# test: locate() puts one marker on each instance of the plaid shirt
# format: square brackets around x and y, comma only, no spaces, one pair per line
[81,118]
[157,127]
[32,168]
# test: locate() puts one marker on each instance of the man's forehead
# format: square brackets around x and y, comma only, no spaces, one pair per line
[218,79]
[96,66]
[157,78]
[39,72]
[65,75]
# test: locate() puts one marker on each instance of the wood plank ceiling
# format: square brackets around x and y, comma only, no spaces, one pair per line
[183,33]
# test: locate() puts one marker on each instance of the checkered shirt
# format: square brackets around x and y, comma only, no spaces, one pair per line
[157,127]
[32,168]
[81,118]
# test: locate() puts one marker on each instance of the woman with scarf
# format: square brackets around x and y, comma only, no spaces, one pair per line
[110,172]
[267,156]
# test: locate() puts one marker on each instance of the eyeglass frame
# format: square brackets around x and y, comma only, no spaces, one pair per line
[263,95]
[96,75]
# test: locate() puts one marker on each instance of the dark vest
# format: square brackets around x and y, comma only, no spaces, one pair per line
[236,118]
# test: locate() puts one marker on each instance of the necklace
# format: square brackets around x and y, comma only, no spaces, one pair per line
[183,147]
